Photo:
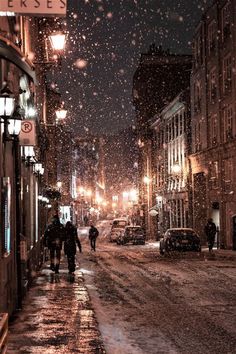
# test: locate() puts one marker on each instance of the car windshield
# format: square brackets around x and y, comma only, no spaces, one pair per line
[119,223]
[182,233]
[134,231]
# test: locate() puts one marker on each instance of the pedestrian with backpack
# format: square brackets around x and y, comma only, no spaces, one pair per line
[93,234]
[53,238]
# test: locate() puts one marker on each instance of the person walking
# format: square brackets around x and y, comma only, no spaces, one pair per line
[93,234]
[210,231]
[53,239]
[71,240]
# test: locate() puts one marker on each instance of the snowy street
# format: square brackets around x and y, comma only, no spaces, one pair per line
[146,303]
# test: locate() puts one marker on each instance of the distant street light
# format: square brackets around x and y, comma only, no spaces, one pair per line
[146,180]
[61,113]
[176,168]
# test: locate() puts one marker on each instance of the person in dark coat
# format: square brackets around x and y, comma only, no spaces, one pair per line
[53,238]
[71,240]
[93,234]
[210,231]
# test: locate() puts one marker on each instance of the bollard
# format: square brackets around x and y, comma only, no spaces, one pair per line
[3,332]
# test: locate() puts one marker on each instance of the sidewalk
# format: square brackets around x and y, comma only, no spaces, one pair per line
[220,253]
[57,317]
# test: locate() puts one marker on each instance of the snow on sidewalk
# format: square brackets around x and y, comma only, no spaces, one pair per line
[57,317]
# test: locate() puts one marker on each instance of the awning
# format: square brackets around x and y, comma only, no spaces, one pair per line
[14,55]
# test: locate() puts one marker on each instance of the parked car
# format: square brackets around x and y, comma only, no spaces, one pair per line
[115,234]
[180,239]
[134,234]
[119,223]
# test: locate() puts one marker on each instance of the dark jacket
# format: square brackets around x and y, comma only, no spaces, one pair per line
[71,239]
[93,233]
[54,235]
[210,230]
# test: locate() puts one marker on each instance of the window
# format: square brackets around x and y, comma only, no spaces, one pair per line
[211,37]
[214,174]
[6,192]
[214,130]
[197,97]
[227,74]
[226,19]
[228,174]
[176,125]
[228,123]
[181,124]
[197,137]
[212,85]
[198,50]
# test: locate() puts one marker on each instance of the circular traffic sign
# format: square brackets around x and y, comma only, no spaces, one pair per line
[26,126]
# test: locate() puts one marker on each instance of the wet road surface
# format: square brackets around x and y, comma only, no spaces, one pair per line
[57,317]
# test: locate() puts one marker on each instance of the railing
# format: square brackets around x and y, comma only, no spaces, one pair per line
[3,332]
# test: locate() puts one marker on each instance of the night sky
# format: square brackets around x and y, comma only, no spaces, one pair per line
[105,42]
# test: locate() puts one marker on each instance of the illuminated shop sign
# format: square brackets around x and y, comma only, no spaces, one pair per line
[34,7]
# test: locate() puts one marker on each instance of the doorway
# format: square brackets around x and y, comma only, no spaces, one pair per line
[215,215]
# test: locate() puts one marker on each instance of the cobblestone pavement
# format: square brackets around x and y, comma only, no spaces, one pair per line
[57,317]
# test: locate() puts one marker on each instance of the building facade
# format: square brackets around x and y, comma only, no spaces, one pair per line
[171,168]
[158,79]
[24,214]
[213,93]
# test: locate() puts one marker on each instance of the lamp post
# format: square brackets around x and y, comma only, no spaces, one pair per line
[12,126]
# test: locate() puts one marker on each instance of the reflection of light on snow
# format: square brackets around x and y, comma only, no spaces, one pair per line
[86,271]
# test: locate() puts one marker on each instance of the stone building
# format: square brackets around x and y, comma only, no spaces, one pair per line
[213,93]
[159,78]
[171,168]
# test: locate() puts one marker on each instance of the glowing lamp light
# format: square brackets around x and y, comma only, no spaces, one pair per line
[59,184]
[58,41]
[14,126]
[125,195]
[61,113]
[31,112]
[7,102]
[146,179]
[176,168]
[29,151]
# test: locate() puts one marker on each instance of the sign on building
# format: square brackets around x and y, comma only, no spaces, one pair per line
[27,135]
[35,7]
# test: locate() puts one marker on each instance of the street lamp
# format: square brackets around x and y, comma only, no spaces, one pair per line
[7,102]
[61,113]
[58,40]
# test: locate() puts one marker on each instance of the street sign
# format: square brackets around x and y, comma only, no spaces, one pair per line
[35,7]
[27,135]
